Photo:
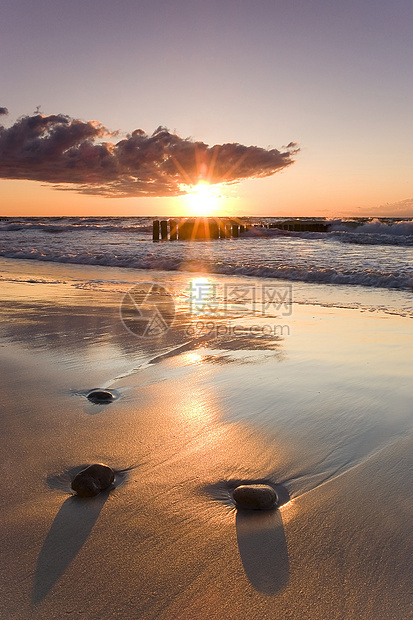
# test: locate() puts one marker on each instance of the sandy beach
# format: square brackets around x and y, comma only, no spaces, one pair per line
[322,411]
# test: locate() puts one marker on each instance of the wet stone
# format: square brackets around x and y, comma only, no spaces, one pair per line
[100,396]
[92,480]
[255,496]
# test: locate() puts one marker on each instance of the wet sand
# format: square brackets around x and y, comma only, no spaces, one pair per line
[323,413]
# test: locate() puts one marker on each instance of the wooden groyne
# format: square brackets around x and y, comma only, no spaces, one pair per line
[197,228]
[300,226]
[203,228]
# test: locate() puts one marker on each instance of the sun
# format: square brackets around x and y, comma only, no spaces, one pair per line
[202,199]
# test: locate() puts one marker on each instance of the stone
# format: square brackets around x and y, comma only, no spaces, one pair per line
[100,396]
[255,496]
[92,480]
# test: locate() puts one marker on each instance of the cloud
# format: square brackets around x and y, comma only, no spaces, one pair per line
[3,111]
[401,208]
[77,155]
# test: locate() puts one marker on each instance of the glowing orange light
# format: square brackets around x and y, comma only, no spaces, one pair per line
[202,199]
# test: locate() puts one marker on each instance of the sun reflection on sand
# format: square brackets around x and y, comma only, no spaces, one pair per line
[202,296]
[197,403]
[192,357]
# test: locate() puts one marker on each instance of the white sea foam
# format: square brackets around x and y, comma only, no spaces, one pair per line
[352,253]
[374,231]
[395,279]
[390,227]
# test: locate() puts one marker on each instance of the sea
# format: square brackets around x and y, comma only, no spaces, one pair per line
[361,262]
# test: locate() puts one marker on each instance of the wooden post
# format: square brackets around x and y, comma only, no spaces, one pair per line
[173,230]
[185,230]
[155,232]
[164,230]
[234,228]
[201,229]
[227,231]
[213,229]
[221,229]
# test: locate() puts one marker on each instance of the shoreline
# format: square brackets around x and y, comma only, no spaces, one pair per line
[109,279]
[324,413]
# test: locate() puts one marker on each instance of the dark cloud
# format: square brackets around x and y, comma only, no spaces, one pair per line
[78,155]
[3,111]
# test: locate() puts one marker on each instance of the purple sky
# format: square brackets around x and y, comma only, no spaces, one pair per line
[334,77]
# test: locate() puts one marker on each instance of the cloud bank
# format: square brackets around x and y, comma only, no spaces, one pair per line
[401,208]
[83,156]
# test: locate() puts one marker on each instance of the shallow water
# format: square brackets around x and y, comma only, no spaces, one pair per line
[322,412]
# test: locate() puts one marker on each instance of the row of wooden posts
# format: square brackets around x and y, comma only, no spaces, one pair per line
[197,228]
[211,228]
[300,225]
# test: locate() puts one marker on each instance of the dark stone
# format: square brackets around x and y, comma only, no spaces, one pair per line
[92,480]
[255,496]
[100,396]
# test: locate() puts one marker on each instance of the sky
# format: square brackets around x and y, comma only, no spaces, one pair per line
[295,107]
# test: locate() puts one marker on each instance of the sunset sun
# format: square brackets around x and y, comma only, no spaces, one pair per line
[203,199]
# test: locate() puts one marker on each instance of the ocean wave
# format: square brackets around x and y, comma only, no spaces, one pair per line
[374,232]
[350,231]
[375,226]
[401,279]
[76,226]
